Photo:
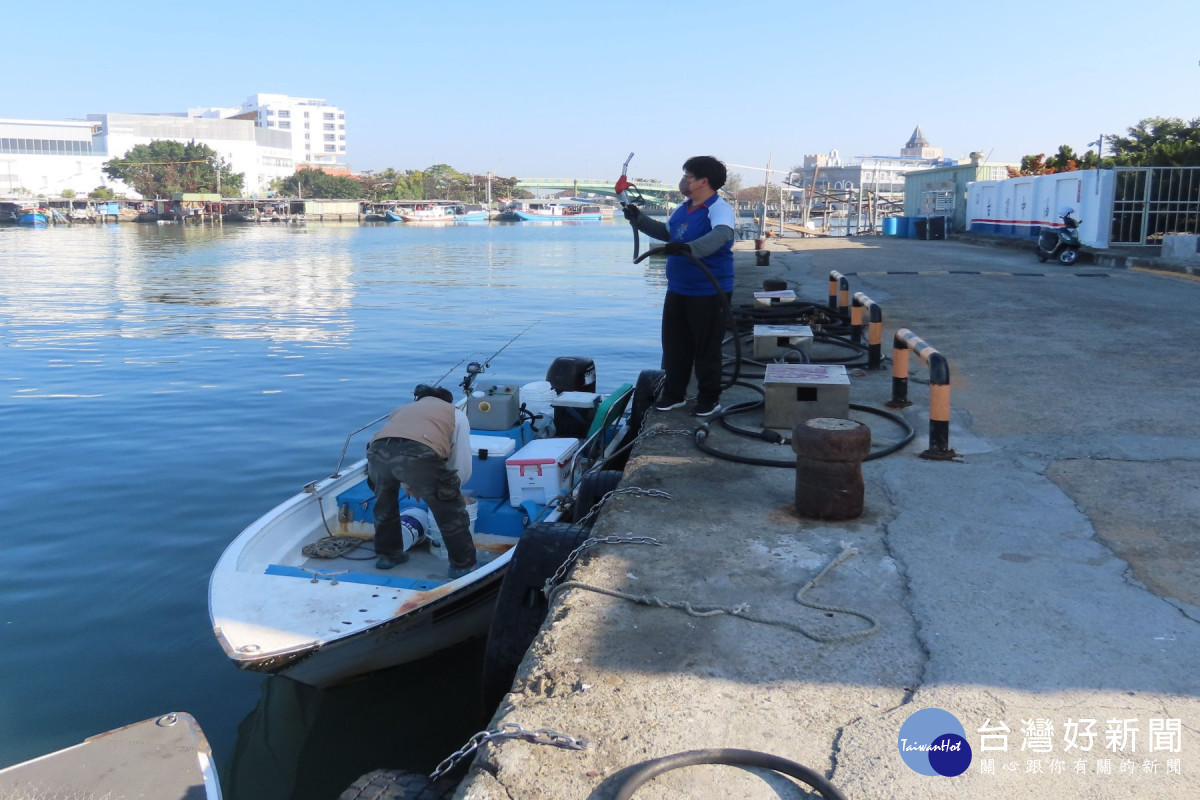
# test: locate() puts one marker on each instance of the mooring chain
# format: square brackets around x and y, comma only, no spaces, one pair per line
[636,490]
[742,611]
[573,556]
[645,433]
[508,730]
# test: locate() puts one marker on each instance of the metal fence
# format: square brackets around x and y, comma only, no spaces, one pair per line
[1149,202]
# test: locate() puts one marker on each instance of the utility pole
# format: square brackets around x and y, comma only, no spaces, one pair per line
[762,223]
[811,193]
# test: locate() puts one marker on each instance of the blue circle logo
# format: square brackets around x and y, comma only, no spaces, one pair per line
[933,742]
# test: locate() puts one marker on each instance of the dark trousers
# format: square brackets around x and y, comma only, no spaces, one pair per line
[391,462]
[692,330]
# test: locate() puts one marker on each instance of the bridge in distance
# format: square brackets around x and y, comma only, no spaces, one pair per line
[653,191]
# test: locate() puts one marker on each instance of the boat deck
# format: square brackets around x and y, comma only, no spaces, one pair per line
[422,572]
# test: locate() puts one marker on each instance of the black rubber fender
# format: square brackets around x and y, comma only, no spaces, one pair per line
[521,606]
[645,392]
[592,487]
[394,784]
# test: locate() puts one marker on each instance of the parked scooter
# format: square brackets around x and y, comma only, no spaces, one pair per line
[1061,243]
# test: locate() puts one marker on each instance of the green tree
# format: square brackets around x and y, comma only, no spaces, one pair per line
[319,183]
[501,188]
[410,185]
[444,182]
[102,193]
[1031,165]
[68,194]
[165,166]
[1158,142]
[378,186]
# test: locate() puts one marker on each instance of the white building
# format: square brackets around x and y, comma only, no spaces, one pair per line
[260,154]
[44,157]
[318,129]
[268,137]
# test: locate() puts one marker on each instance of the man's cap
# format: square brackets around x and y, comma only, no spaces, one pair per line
[423,390]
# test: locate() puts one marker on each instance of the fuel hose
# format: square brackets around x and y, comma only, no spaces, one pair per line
[727,756]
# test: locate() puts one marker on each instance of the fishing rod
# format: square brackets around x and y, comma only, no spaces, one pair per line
[475,369]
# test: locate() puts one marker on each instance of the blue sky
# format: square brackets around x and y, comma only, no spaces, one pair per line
[548,89]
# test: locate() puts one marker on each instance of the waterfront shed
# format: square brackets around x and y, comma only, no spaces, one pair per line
[942,191]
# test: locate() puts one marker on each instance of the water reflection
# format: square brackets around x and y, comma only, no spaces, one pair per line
[229,282]
[301,743]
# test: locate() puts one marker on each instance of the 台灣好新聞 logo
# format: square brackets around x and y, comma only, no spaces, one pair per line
[933,742]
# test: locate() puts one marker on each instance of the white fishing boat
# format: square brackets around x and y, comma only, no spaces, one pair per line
[280,605]
[551,211]
[164,758]
[438,212]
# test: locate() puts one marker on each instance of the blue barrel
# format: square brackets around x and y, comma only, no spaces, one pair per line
[891,226]
[915,226]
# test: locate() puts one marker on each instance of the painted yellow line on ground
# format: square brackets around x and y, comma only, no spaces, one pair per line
[1166,273]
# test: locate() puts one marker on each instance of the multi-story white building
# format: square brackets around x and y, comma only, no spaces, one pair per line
[318,129]
[268,137]
[44,157]
[261,154]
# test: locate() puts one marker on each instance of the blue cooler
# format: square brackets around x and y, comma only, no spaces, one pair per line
[488,476]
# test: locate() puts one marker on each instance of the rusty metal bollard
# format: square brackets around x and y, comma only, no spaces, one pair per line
[762,258]
[829,455]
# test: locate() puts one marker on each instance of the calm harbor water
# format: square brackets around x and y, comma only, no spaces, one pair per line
[163,386]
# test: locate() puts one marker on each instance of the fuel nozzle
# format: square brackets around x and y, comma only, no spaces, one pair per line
[623,185]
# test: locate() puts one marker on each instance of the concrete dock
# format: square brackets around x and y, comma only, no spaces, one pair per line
[1043,588]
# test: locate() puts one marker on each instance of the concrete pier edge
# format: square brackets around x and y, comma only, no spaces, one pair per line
[998,595]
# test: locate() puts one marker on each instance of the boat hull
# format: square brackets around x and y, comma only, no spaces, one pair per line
[163,757]
[280,607]
[275,611]
[526,216]
[461,615]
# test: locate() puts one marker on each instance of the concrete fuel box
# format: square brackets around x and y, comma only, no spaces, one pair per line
[799,392]
[774,341]
[775,298]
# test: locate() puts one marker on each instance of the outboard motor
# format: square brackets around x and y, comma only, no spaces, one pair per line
[572,374]
[573,379]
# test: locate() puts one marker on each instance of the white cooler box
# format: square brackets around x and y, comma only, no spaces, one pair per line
[539,471]
[487,464]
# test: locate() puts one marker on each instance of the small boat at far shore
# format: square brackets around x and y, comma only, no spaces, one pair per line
[33,215]
[439,212]
[165,758]
[551,211]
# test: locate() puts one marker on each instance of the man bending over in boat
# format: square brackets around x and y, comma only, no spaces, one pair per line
[426,446]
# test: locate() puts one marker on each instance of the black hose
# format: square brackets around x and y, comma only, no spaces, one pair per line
[700,434]
[724,755]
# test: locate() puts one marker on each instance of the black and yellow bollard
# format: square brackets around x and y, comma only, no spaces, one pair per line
[829,455]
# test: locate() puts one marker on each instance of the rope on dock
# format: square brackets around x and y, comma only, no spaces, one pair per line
[743,611]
